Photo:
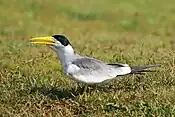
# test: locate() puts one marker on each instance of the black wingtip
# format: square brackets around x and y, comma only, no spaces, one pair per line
[143,69]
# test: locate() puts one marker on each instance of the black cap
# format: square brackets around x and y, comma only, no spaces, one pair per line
[62,39]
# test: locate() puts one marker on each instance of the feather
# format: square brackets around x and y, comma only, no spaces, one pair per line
[142,69]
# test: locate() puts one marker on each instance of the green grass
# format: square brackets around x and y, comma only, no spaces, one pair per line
[32,82]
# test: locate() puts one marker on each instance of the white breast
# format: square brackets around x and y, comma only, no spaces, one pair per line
[72,69]
[88,77]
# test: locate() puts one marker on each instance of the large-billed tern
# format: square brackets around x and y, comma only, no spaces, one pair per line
[85,69]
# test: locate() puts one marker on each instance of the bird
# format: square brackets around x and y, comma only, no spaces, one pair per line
[86,69]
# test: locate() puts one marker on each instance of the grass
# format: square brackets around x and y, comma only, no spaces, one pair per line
[32,82]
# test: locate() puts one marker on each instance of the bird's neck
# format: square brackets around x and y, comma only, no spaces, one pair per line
[66,55]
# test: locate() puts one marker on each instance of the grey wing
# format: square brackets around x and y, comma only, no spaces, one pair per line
[88,63]
[94,71]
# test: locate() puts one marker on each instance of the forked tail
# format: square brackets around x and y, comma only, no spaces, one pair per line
[142,69]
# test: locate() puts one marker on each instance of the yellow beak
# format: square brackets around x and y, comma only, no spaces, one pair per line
[43,40]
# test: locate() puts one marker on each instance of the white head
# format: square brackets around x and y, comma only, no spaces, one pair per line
[58,43]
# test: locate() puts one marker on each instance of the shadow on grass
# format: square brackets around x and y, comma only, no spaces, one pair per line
[57,92]
[64,93]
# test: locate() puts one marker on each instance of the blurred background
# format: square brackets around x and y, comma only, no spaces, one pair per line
[24,18]
[136,32]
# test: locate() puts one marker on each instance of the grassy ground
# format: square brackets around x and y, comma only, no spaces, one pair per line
[135,32]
